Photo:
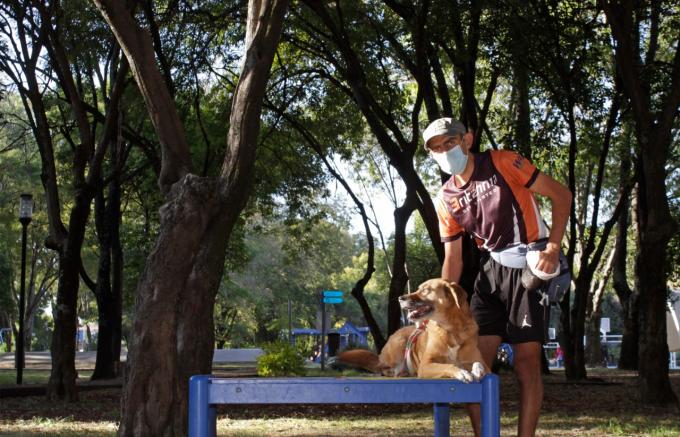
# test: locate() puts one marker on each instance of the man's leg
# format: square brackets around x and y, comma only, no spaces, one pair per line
[527,358]
[488,345]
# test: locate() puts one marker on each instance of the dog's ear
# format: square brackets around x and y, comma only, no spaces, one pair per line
[453,288]
[459,295]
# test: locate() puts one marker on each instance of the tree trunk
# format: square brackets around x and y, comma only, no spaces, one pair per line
[628,357]
[173,326]
[117,263]
[28,330]
[575,369]
[654,384]
[399,275]
[574,363]
[62,382]
[173,334]
[471,266]
[522,113]
[109,277]
[594,316]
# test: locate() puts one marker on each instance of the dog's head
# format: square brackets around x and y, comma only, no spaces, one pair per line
[434,299]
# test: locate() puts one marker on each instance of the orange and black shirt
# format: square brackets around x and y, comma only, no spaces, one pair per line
[495,206]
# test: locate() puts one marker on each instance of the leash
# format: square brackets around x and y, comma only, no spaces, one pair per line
[410,343]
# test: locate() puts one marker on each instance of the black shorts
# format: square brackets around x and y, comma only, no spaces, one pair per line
[502,306]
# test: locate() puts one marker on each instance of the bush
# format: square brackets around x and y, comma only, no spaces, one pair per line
[280,359]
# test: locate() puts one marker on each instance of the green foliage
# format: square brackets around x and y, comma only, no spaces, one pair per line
[280,359]
[42,332]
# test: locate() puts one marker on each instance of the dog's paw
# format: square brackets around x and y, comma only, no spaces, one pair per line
[478,370]
[464,375]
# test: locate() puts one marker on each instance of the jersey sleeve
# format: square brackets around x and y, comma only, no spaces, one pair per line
[449,229]
[514,167]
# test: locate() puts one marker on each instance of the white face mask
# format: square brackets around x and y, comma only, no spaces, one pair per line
[453,161]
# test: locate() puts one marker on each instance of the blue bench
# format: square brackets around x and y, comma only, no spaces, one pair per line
[205,392]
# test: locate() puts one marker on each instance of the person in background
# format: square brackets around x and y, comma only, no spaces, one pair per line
[559,356]
[490,196]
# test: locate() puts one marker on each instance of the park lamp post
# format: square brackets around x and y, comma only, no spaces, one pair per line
[25,215]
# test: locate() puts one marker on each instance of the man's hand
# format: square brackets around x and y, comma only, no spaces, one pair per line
[549,259]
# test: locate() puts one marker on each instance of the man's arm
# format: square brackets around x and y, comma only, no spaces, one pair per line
[560,198]
[453,260]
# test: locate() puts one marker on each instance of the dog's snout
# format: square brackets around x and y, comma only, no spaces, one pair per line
[402,298]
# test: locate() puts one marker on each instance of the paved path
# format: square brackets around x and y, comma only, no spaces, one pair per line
[87,360]
[43,360]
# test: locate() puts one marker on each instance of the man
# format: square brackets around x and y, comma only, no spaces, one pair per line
[490,196]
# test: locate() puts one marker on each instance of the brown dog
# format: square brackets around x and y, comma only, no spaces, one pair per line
[443,344]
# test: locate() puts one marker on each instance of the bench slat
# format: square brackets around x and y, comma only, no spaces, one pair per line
[341,391]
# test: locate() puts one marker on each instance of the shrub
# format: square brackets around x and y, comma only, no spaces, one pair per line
[280,359]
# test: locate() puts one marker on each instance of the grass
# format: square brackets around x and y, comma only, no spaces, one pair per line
[605,409]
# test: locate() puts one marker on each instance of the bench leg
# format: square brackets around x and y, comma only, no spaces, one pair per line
[442,420]
[202,415]
[490,406]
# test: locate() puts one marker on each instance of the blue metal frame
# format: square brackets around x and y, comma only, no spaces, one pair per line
[206,391]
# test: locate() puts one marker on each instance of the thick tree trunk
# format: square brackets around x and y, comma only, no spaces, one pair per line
[654,385]
[173,334]
[173,325]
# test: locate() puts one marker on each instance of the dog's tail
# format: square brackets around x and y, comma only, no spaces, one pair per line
[360,358]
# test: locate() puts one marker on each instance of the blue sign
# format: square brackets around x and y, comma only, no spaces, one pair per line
[332,293]
[332,300]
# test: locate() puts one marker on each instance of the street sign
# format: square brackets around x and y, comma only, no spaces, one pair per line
[332,293]
[604,325]
[332,300]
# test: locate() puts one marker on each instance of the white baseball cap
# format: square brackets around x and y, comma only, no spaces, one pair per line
[443,126]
